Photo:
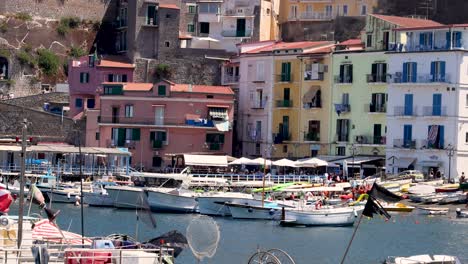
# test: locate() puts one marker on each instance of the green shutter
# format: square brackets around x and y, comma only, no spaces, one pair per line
[221,138]
[152,135]
[136,134]
[163,136]
[162,90]
[121,137]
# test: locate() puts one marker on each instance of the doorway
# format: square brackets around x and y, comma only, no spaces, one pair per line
[240,29]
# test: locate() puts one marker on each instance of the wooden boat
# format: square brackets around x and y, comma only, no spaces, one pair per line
[324,217]
[398,207]
[423,259]
[447,188]
[457,197]
[462,213]
[434,210]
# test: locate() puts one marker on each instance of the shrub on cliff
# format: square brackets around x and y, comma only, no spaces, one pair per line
[48,62]
[67,23]
[76,52]
[25,58]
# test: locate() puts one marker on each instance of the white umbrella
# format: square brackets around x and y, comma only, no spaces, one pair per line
[312,162]
[262,161]
[284,163]
[243,161]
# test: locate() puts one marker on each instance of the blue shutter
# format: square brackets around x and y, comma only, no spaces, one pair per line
[405,72]
[414,71]
[408,105]
[421,40]
[442,71]
[430,40]
[436,104]
[448,39]
[433,73]
[407,135]
[441,137]
[458,36]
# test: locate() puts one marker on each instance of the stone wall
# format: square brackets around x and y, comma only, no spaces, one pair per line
[43,126]
[307,30]
[37,101]
[85,9]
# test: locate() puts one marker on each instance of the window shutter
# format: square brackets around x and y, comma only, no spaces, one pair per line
[421,39]
[448,39]
[374,69]
[350,73]
[405,72]
[442,70]
[433,73]
[384,69]
[136,134]
[110,77]
[430,40]
[441,136]
[414,71]
[152,136]
[341,73]
[124,78]
[164,136]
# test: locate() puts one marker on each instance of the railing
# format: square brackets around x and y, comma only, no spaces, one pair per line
[259,177]
[404,143]
[280,137]
[234,12]
[370,140]
[341,137]
[136,120]
[63,169]
[258,104]
[409,48]
[343,79]
[316,16]
[377,78]
[375,108]
[283,77]
[214,145]
[320,77]
[434,111]
[342,108]
[230,79]
[236,34]
[311,136]
[311,105]
[431,145]
[405,111]
[424,78]
[284,103]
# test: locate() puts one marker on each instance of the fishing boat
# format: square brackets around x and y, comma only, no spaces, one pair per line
[98,196]
[215,203]
[447,188]
[434,210]
[457,197]
[398,207]
[462,213]
[126,197]
[269,211]
[344,216]
[172,200]
[63,196]
[435,198]
[424,259]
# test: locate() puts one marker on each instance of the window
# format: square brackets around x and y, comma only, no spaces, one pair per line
[97,136]
[345,10]
[314,153]
[260,71]
[129,111]
[378,103]
[369,40]
[258,129]
[210,8]
[410,72]
[192,9]
[363,10]
[167,44]
[314,71]
[158,138]
[466,100]
[293,11]
[438,71]
[257,149]
[78,102]
[378,73]
[214,141]
[204,28]
[168,15]
[113,89]
[346,73]
[436,105]
[340,151]
[84,77]
[456,39]
[268,11]
[425,40]
[190,28]
[345,98]
[285,148]
[121,42]
[342,129]
[466,137]
[117,77]
[132,134]
[285,72]
[328,10]
[408,109]
[407,136]
[313,132]
[435,137]
[162,90]
[90,103]
[122,19]
[157,162]
[151,15]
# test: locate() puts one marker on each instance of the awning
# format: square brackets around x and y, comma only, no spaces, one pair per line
[216,112]
[310,94]
[312,162]
[403,162]
[218,106]
[205,160]
[243,161]
[222,126]
[429,163]
[358,160]
[284,163]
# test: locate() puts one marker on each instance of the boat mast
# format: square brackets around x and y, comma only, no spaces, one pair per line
[21,194]
[263,182]
[81,188]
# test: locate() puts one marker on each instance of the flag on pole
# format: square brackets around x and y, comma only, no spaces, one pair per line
[372,207]
[36,195]
[379,192]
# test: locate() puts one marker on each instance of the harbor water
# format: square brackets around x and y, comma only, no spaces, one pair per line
[403,235]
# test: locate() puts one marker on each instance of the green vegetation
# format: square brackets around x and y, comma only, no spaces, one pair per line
[76,52]
[23,16]
[4,53]
[25,58]
[67,23]
[48,62]
[27,48]
[163,71]
[3,27]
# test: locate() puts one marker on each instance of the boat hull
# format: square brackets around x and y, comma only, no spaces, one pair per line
[165,202]
[434,211]
[97,199]
[320,218]
[216,205]
[126,198]
[60,197]
[252,212]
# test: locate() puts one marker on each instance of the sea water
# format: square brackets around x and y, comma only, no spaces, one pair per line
[404,234]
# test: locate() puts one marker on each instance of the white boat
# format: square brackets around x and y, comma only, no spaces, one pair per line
[172,200]
[324,217]
[126,196]
[215,204]
[434,210]
[98,196]
[424,259]
[270,211]
[63,196]
[457,197]
[433,198]
[462,213]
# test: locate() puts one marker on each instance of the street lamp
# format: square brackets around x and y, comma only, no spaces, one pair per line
[450,152]
[353,149]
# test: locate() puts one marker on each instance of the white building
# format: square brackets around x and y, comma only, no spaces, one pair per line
[428,101]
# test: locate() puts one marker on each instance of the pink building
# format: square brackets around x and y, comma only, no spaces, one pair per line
[155,121]
[87,73]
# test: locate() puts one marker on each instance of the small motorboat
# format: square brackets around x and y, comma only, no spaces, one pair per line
[433,198]
[344,216]
[447,188]
[398,207]
[434,210]
[462,213]
[424,259]
[457,197]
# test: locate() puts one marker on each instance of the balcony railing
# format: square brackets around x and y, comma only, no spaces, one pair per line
[311,136]
[342,137]
[370,140]
[156,144]
[378,78]
[404,143]
[236,34]
[315,16]
[405,111]
[425,78]
[375,108]
[434,111]
[312,105]
[284,103]
[399,47]
[343,79]
[214,145]
[319,77]
[258,104]
[342,108]
[235,12]
[202,122]
[427,144]
[284,77]
[283,136]
[230,79]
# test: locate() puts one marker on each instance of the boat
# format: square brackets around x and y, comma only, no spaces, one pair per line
[63,195]
[457,197]
[434,210]
[418,198]
[424,259]
[398,207]
[172,200]
[447,188]
[98,196]
[215,203]
[126,197]
[435,198]
[463,186]
[270,211]
[344,216]
[462,213]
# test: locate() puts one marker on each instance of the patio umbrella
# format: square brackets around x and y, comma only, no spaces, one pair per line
[243,161]
[284,163]
[312,162]
[262,161]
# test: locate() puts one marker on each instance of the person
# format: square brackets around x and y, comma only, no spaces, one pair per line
[462,178]
[431,174]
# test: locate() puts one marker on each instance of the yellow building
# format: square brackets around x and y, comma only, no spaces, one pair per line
[301,99]
[322,10]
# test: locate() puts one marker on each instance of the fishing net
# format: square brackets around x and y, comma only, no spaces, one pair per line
[203,237]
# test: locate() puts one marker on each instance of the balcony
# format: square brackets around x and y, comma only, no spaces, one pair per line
[404,143]
[342,108]
[311,136]
[240,11]
[312,105]
[375,108]
[151,121]
[156,144]
[421,79]
[255,135]
[434,111]
[284,78]
[427,144]
[214,145]
[230,79]
[341,137]
[405,111]
[377,78]
[308,77]
[315,16]
[258,104]
[236,34]
[439,46]
[343,79]
[370,140]
[284,103]
[280,137]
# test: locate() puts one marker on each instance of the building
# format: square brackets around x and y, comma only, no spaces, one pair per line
[155,121]
[223,24]
[428,96]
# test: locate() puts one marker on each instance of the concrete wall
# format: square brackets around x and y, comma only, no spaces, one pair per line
[36,102]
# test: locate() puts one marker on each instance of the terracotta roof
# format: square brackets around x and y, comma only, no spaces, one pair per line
[115,62]
[78,116]
[351,42]
[320,50]
[407,21]
[181,36]
[288,45]
[187,88]
[171,6]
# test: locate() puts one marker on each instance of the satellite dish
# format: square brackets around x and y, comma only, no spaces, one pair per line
[272,256]
[203,237]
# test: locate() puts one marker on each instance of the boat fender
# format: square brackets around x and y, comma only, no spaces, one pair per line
[272,211]
[250,209]
[318,205]
[68,195]
[458,211]
[5,222]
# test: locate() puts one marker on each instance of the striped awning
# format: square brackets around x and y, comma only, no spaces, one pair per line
[218,113]
[48,231]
